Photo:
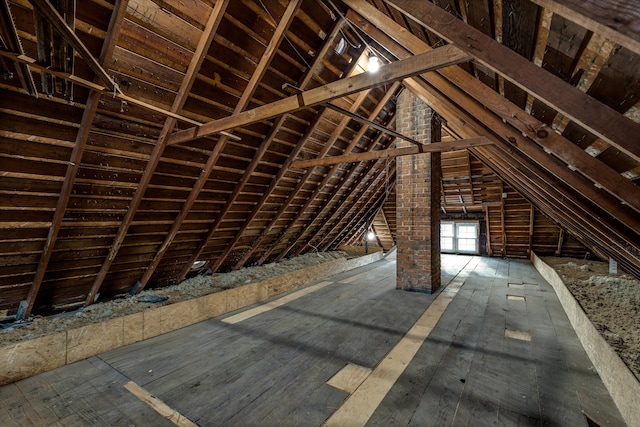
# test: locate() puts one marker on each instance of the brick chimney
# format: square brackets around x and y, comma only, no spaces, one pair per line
[418,199]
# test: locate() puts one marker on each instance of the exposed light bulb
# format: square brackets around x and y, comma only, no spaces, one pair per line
[374,63]
[371,235]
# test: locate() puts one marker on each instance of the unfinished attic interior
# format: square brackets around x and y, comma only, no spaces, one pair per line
[145,142]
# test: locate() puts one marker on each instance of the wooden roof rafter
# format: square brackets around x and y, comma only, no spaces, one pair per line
[392,153]
[325,181]
[12,43]
[598,118]
[303,181]
[88,115]
[550,141]
[267,141]
[437,58]
[355,187]
[613,22]
[370,206]
[503,156]
[47,10]
[270,51]
[203,46]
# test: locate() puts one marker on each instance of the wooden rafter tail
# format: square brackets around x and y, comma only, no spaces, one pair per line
[73,166]
[396,71]
[183,93]
[261,69]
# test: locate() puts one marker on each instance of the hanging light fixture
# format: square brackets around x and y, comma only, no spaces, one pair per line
[374,63]
[371,235]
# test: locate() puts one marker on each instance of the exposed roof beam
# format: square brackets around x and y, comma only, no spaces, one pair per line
[365,173]
[183,93]
[391,153]
[74,164]
[319,211]
[329,175]
[306,79]
[293,194]
[268,55]
[382,29]
[616,21]
[272,186]
[517,143]
[46,9]
[594,116]
[574,207]
[428,61]
[375,200]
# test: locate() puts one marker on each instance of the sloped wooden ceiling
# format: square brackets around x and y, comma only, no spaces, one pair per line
[140,136]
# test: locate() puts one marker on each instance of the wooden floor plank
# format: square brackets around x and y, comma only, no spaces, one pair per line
[271,369]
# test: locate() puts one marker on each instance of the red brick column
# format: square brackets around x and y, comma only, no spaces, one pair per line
[418,200]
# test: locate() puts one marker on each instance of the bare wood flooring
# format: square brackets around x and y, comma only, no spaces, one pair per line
[501,353]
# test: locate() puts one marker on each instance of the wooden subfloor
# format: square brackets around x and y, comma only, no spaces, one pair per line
[501,353]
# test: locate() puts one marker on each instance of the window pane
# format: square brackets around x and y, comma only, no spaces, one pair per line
[446,229]
[446,243]
[467,230]
[467,245]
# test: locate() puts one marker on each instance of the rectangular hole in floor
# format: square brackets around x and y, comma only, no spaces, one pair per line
[516,297]
[518,335]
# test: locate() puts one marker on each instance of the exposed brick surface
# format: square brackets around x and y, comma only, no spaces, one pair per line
[418,201]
